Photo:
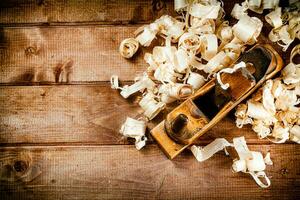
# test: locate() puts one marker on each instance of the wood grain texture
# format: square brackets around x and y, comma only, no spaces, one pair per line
[70,54]
[77,113]
[121,172]
[55,12]
[80,114]
[73,11]
[62,141]
[65,54]
[74,54]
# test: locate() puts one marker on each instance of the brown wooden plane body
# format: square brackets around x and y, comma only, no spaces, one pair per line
[211,103]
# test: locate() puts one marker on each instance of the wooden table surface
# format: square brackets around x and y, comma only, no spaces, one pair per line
[59,118]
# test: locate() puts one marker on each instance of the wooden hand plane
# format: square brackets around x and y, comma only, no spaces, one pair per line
[208,105]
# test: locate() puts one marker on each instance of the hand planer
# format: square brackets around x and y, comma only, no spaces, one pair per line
[208,105]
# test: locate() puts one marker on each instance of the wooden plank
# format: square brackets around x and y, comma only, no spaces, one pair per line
[90,53]
[65,54]
[121,172]
[99,11]
[69,54]
[15,12]
[90,114]
[62,114]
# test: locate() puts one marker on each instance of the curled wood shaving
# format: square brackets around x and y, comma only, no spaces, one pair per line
[209,46]
[274,18]
[146,37]
[224,33]
[114,82]
[291,73]
[286,24]
[268,99]
[140,85]
[273,111]
[256,110]
[229,71]
[200,40]
[247,29]
[210,11]
[176,91]
[257,176]
[239,10]
[281,36]
[250,162]
[128,47]
[181,61]
[267,159]
[195,80]
[180,5]
[280,133]
[190,42]
[259,5]
[135,129]
[202,154]
[198,36]
[295,134]
[151,106]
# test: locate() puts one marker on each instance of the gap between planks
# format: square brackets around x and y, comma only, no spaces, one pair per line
[73,83]
[95,144]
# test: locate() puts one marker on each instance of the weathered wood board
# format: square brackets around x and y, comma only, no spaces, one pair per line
[88,54]
[79,114]
[121,172]
[60,120]
[96,11]
[65,54]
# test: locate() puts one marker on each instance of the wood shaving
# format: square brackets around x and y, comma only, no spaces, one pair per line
[180,5]
[275,114]
[250,162]
[200,35]
[286,24]
[199,45]
[267,159]
[128,47]
[235,68]
[151,106]
[135,129]
[202,154]
[247,29]
[274,18]
[140,85]
[195,80]
[178,90]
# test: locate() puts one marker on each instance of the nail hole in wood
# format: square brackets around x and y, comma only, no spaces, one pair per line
[20,166]
[30,51]
[284,171]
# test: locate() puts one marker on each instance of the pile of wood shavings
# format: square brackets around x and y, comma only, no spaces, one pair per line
[196,46]
[274,111]
[199,45]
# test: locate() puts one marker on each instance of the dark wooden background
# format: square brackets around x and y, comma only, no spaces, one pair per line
[59,118]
